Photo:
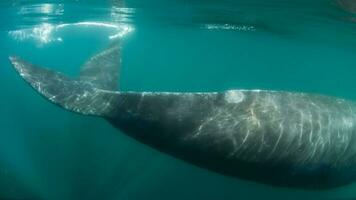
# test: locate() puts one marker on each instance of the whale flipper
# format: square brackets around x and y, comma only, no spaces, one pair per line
[84,95]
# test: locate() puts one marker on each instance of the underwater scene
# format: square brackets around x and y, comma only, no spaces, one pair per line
[155,75]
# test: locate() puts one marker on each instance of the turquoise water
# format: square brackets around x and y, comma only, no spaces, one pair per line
[212,45]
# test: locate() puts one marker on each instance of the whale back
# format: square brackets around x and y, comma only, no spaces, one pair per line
[280,138]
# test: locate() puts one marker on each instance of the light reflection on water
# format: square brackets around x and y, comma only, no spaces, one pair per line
[46,33]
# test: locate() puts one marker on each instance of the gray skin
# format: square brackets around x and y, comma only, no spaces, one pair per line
[348,5]
[273,137]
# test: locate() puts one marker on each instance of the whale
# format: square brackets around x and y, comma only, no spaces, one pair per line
[279,138]
[347,5]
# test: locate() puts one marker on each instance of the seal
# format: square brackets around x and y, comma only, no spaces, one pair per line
[273,137]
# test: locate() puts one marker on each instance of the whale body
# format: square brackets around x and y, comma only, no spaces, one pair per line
[273,137]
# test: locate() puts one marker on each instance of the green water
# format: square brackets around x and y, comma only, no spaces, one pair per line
[181,45]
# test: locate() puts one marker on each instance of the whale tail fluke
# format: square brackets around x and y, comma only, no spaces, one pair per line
[102,70]
[84,95]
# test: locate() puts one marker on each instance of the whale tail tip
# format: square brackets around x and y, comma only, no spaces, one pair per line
[98,77]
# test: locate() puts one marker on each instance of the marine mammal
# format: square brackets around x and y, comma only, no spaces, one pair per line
[274,137]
